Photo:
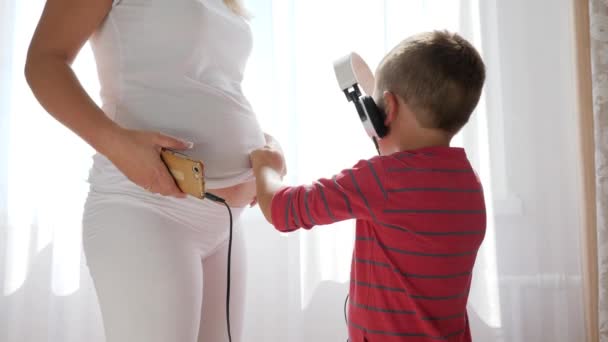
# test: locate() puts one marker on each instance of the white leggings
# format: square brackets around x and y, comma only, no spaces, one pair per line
[159,263]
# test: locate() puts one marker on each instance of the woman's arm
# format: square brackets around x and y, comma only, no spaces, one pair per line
[64,27]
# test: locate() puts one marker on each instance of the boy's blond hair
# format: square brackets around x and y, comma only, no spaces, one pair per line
[438,74]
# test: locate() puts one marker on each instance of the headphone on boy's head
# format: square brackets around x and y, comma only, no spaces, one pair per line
[352,74]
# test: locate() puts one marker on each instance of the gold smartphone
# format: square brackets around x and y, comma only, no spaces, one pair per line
[189,174]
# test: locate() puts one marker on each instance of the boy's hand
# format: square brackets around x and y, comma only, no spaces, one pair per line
[268,165]
[270,156]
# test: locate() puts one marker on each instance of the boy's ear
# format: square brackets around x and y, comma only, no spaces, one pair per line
[391,107]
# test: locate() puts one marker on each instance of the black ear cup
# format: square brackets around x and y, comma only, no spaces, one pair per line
[376,115]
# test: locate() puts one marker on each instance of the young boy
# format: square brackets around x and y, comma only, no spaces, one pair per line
[419,207]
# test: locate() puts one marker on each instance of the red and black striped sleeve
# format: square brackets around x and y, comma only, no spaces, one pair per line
[351,194]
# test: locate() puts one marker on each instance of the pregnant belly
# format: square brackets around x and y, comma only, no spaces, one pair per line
[222,127]
[240,195]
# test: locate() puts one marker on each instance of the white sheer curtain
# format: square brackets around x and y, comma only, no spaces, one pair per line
[527,283]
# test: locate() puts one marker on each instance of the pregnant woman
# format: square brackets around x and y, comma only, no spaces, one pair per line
[170,74]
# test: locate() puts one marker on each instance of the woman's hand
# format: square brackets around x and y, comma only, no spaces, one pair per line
[137,155]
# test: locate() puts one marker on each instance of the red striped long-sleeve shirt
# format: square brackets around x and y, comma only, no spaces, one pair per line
[420,219]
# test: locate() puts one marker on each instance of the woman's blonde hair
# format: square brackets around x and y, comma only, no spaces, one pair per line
[237,7]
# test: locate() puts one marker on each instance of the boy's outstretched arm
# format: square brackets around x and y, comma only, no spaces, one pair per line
[269,169]
[351,194]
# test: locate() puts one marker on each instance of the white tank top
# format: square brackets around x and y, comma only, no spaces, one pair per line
[176,66]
